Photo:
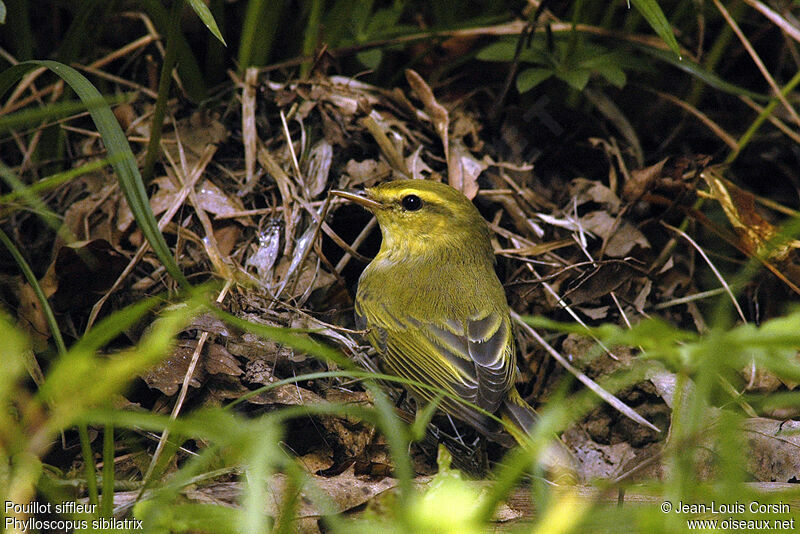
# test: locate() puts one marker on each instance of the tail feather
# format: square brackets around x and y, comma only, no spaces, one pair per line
[557,460]
[518,412]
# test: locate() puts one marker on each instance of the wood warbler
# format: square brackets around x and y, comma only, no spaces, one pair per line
[433,306]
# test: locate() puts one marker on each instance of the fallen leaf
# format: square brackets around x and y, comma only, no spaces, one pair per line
[583,191]
[319,166]
[168,375]
[213,200]
[620,236]
[464,169]
[642,180]
[219,361]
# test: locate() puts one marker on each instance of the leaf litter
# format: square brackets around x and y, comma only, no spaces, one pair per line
[242,193]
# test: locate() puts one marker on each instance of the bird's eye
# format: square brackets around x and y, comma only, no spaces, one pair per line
[411,202]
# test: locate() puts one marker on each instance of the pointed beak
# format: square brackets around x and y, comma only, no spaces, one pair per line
[361,198]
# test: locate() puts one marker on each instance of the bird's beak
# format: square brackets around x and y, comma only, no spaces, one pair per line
[361,198]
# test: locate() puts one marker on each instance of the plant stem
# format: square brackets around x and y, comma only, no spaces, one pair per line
[170,54]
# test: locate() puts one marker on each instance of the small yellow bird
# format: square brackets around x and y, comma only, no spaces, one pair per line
[432,304]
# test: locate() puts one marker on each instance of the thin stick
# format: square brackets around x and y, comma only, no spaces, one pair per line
[613,401]
[757,60]
[711,265]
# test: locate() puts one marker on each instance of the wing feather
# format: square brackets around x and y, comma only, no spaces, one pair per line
[473,360]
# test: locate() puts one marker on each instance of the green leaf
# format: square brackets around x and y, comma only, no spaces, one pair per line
[205,15]
[530,78]
[535,54]
[384,20]
[702,74]
[505,49]
[2,12]
[577,78]
[615,75]
[119,153]
[608,66]
[370,58]
[655,17]
[499,51]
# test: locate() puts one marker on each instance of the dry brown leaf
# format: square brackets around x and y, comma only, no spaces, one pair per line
[440,118]
[597,460]
[583,190]
[249,130]
[620,236]
[287,395]
[227,236]
[219,361]
[194,133]
[81,273]
[319,166]
[253,347]
[311,277]
[464,169]
[168,375]
[773,449]
[345,491]
[417,166]
[642,180]
[365,173]
[266,252]
[316,461]
[214,200]
[438,114]
[81,217]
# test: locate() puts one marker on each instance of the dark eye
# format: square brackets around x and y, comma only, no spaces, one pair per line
[411,202]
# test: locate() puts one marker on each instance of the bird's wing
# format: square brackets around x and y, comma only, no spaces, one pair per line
[484,348]
[472,359]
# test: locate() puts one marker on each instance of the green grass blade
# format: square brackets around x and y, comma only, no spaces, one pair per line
[655,17]
[36,204]
[88,460]
[208,19]
[258,33]
[187,65]
[311,35]
[119,153]
[286,336]
[700,73]
[49,183]
[53,111]
[164,84]
[107,504]
[37,289]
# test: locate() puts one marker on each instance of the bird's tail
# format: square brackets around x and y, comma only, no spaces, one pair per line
[557,460]
[518,412]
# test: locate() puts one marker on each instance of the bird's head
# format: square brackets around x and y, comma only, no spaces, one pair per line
[418,217]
